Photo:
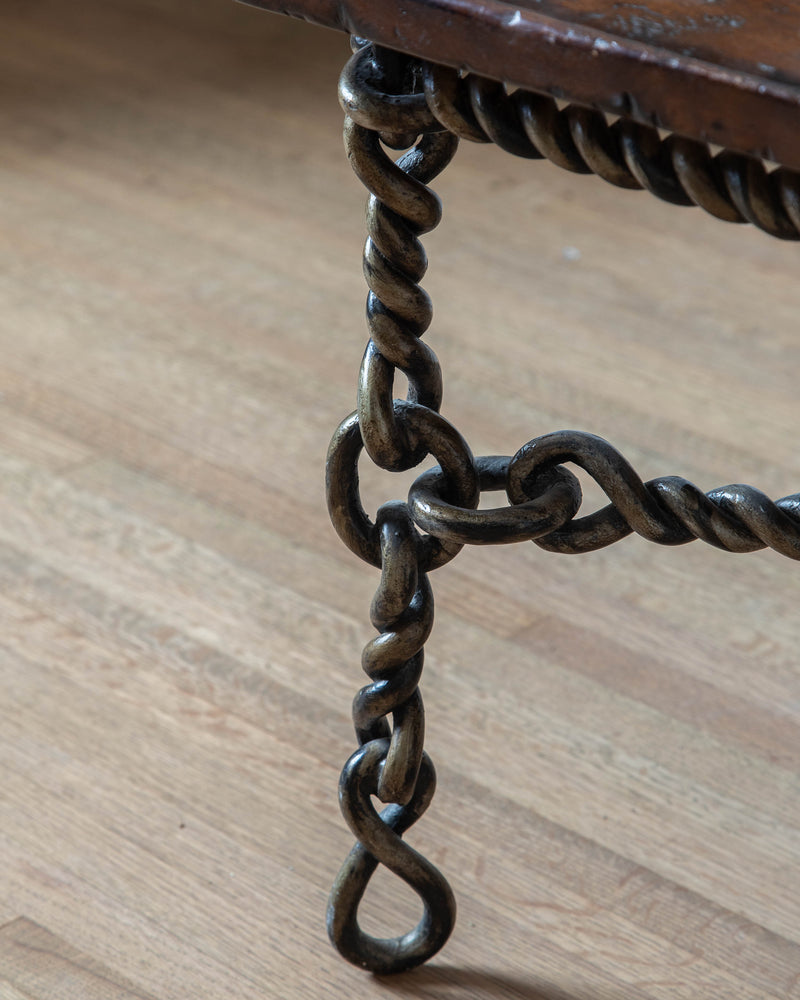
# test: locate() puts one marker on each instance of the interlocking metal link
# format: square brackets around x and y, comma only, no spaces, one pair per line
[728,185]
[427,431]
[545,496]
[553,501]
[670,510]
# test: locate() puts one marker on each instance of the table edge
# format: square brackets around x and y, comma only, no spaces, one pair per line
[636,80]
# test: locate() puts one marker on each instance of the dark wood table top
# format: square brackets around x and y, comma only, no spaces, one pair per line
[725,71]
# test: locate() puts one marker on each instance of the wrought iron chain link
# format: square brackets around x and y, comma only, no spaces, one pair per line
[398,102]
[668,510]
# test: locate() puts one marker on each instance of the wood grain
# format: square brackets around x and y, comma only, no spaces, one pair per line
[617,735]
[39,966]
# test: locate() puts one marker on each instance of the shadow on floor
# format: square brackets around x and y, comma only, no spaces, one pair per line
[442,983]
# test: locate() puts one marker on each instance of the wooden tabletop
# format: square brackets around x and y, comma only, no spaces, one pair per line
[725,71]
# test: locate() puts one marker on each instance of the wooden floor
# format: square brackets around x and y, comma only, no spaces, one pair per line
[181,321]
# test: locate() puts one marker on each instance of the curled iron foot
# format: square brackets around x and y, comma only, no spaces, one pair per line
[380,842]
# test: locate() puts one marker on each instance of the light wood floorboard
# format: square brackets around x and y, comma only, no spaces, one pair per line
[43,966]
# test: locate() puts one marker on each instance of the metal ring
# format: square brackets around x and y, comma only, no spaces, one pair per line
[425,428]
[363,99]
[557,499]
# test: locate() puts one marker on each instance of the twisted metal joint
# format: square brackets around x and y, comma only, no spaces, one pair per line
[402,612]
[401,208]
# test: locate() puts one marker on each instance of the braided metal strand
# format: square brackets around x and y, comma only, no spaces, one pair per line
[730,186]
[401,208]
[669,510]
[402,612]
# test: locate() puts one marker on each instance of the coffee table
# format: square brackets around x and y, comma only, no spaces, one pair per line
[698,103]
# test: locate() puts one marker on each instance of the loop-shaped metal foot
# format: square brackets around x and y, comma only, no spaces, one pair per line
[380,842]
